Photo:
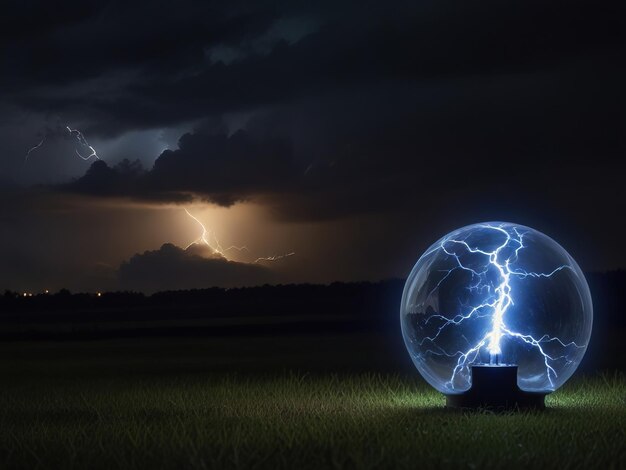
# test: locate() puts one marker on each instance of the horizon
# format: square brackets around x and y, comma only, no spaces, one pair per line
[63,290]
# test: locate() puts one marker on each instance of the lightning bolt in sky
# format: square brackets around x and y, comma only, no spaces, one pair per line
[274,258]
[498,298]
[209,239]
[79,137]
[32,149]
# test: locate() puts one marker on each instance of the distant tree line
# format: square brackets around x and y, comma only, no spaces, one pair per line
[375,302]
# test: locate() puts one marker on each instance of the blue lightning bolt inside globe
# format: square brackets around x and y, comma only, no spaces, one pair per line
[496,293]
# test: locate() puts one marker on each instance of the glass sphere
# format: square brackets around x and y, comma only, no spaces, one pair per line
[496,293]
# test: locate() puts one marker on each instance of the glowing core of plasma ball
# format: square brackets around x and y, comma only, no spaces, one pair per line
[496,293]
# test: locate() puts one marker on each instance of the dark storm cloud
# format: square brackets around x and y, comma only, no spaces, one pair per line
[364,47]
[171,267]
[217,167]
[224,167]
[419,114]
[373,109]
[50,44]
[153,62]
[376,150]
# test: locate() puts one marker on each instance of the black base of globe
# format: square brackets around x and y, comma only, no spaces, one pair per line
[495,387]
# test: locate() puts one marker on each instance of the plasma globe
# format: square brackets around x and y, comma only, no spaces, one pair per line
[496,293]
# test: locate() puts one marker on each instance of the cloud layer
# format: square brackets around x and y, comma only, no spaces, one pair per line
[411,117]
[171,267]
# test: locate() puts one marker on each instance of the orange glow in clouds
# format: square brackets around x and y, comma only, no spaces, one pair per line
[208,237]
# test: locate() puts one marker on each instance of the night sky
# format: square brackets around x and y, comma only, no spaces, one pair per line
[338,139]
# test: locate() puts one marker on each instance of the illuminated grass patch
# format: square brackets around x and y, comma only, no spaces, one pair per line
[298,421]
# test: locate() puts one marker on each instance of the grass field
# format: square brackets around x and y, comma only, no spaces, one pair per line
[122,409]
